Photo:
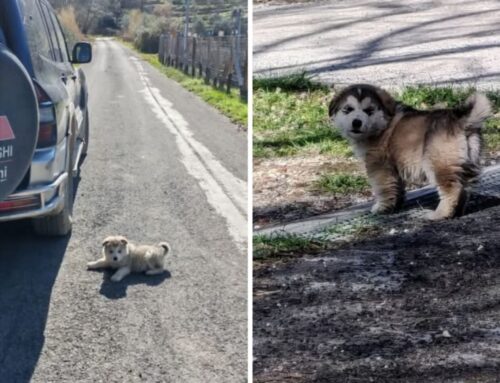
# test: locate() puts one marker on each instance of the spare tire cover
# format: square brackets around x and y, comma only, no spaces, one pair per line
[18,122]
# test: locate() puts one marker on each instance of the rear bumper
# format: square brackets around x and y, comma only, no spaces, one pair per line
[43,200]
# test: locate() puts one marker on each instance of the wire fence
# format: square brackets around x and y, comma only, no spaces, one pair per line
[220,60]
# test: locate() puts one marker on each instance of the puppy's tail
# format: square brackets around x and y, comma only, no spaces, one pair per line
[166,247]
[479,109]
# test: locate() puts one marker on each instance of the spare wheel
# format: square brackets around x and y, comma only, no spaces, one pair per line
[18,122]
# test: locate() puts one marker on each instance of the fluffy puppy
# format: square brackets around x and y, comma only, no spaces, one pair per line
[118,253]
[400,144]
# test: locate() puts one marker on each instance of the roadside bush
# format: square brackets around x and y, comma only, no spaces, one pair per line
[67,18]
[144,30]
[131,22]
[147,40]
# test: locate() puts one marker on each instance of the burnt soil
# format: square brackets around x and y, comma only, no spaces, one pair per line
[418,306]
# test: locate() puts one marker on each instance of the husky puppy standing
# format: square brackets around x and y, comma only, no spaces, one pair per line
[118,253]
[398,143]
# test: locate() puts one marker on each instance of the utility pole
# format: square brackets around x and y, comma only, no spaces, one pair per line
[186,29]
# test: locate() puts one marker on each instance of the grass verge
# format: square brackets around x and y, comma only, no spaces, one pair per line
[342,183]
[228,104]
[285,245]
[288,245]
[291,118]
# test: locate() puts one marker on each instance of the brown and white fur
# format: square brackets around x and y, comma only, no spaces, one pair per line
[118,253]
[400,144]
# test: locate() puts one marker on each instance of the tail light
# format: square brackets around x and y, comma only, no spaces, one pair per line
[47,132]
[21,203]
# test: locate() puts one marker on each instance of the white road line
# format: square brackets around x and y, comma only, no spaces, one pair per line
[225,192]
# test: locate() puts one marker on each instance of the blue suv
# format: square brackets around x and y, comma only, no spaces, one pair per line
[44,117]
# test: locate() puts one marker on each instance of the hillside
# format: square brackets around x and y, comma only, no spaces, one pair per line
[207,17]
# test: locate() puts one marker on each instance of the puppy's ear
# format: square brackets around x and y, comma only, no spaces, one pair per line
[387,101]
[106,241]
[123,240]
[335,104]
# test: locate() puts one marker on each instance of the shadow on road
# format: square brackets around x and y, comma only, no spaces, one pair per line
[117,290]
[29,265]
[28,268]
[426,39]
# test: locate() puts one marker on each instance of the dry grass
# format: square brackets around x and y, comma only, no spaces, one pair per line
[135,19]
[288,188]
[67,18]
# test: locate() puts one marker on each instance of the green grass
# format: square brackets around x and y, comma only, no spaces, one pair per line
[491,134]
[291,116]
[291,123]
[357,227]
[228,104]
[285,245]
[342,183]
[425,96]
[293,245]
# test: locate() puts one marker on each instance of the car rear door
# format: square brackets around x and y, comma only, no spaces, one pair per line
[59,45]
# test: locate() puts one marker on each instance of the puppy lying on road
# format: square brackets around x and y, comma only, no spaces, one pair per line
[118,253]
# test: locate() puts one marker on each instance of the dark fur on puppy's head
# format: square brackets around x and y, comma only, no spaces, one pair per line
[114,240]
[361,111]
[362,91]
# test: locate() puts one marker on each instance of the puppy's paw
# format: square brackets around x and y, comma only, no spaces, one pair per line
[92,265]
[436,215]
[379,208]
[155,271]
[116,278]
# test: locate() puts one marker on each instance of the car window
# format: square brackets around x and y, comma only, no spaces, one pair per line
[52,34]
[38,40]
[60,37]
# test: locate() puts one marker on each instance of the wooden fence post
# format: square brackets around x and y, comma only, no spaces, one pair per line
[229,81]
[217,57]
[207,64]
[177,47]
[244,88]
[160,49]
[193,58]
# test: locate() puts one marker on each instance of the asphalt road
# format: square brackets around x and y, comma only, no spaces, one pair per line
[391,43]
[162,165]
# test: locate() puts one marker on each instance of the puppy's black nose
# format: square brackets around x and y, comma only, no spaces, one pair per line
[356,124]
[115,258]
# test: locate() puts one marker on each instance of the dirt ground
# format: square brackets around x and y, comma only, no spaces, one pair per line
[284,191]
[283,188]
[422,305]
